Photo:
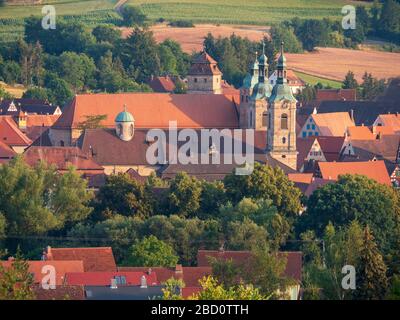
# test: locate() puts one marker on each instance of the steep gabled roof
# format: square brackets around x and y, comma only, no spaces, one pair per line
[375,170]
[94,259]
[333,124]
[204,64]
[5,151]
[331,147]
[10,134]
[154,110]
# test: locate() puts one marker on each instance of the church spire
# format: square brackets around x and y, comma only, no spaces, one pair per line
[262,65]
[281,67]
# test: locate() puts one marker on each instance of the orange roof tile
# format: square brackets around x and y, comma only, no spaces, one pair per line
[162,84]
[39,120]
[390,120]
[154,110]
[300,177]
[333,124]
[5,151]
[375,170]
[204,64]
[61,268]
[11,134]
[360,133]
[94,259]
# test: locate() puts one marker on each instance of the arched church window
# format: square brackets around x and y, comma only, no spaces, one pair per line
[284,121]
[119,129]
[283,140]
[251,119]
[131,130]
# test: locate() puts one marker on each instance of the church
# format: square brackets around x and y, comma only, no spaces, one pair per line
[119,142]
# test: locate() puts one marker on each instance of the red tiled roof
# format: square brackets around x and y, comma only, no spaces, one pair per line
[203,64]
[62,158]
[5,151]
[61,267]
[154,110]
[331,147]
[336,94]
[94,259]
[104,278]
[375,170]
[300,177]
[61,292]
[189,275]
[162,84]
[11,134]
[293,266]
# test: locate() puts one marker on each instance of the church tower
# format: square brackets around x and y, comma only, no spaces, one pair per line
[253,109]
[204,75]
[281,133]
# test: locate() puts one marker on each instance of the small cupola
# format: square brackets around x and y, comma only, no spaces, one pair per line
[125,125]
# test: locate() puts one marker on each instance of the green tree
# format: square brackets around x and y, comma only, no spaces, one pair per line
[226,271]
[265,270]
[371,87]
[121,195]
[172,289]
[389,22]
[358,198]
[139,54]
[151,252]
[212,290]
[36,200]
[372,283]
[268,183]
[76,69]
[350,81]
[132,16]
[286,34]
[3,226]
[36,93]
[313,33]
[184,195]
[211,198]
[106,33]
[59,91]
[16,281]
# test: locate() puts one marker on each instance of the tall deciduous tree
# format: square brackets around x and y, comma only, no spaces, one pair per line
[151,252]
[37,200]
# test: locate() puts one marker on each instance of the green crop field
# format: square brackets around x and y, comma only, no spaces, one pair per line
[313,80]
[258,12]
[90,12]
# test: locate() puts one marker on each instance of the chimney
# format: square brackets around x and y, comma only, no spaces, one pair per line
[113,284]
[143,282]
[178,269]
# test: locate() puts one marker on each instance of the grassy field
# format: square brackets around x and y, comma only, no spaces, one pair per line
[90,12]
[258,12]
[313,80]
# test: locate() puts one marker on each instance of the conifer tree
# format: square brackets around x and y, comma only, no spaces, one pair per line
[371,281]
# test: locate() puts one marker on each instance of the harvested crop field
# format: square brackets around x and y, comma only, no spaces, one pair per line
[191,39]
[330,63]
[334,63]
